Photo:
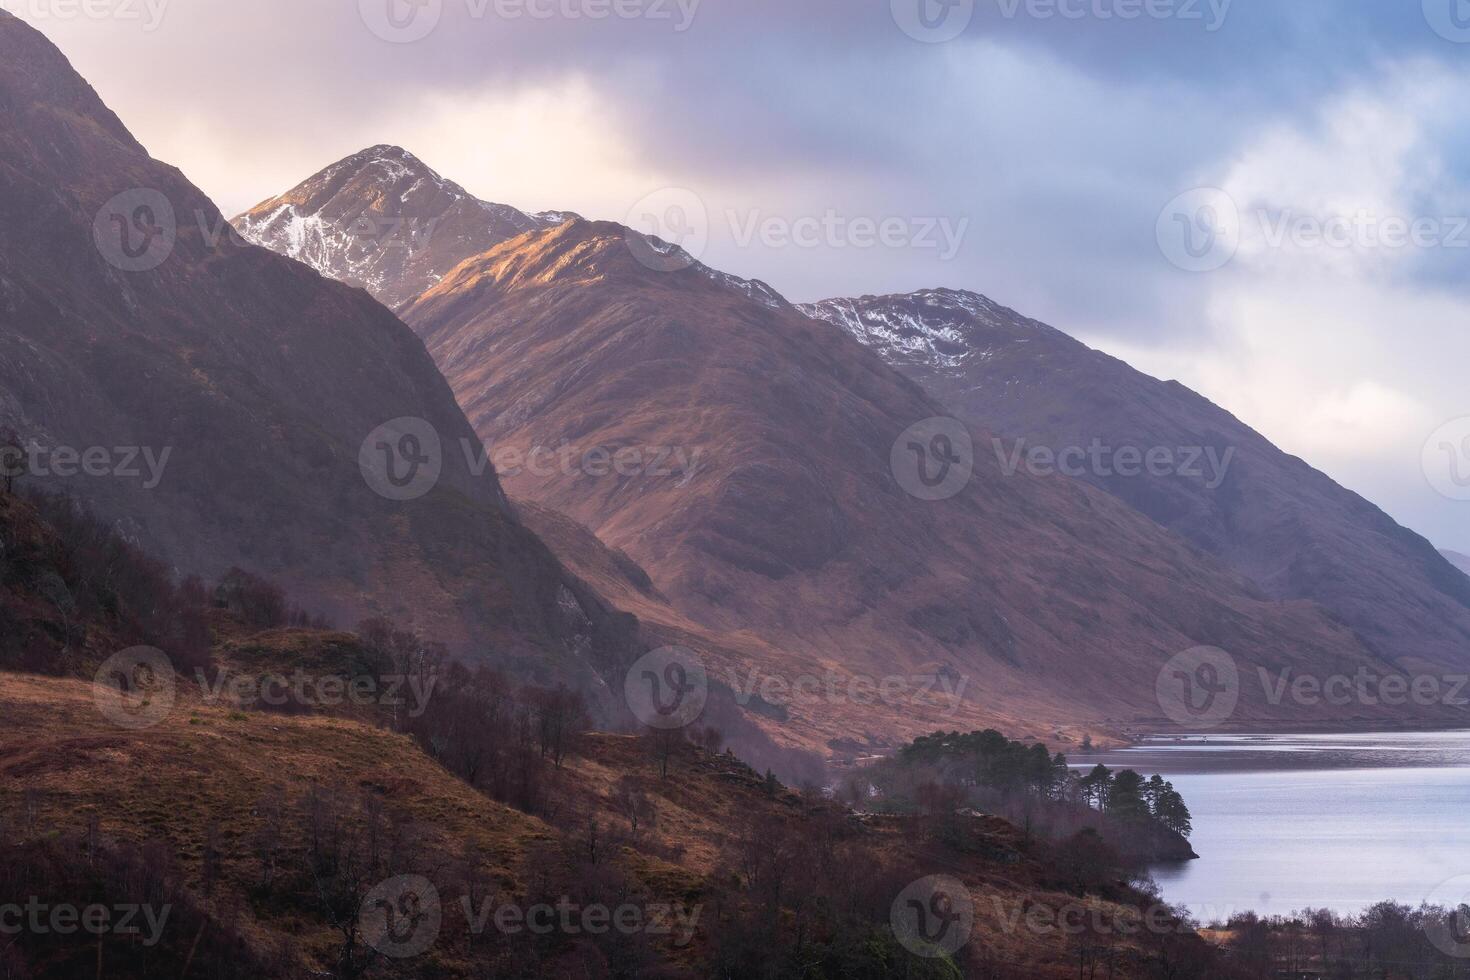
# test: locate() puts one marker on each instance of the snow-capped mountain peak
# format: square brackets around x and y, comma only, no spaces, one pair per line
[384,220]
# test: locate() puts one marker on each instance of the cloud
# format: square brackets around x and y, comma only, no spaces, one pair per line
[1052,129]
[1333,330]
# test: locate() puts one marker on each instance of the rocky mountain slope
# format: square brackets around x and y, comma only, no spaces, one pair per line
[1213,480]
[383,220]
[225,406]
[753,461]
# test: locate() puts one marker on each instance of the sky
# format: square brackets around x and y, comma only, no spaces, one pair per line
[1261,199]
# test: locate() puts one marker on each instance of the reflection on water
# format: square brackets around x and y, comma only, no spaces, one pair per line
[1283,822]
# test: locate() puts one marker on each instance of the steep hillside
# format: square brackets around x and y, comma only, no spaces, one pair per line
[280,843]
[1217,482]
[230,407]
[750,460]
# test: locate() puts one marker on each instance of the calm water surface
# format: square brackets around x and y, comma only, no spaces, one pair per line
[1282,822]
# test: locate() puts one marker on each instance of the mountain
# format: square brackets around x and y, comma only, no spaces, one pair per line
[225,406]
[749,462]
[261,823]
[1458,559]
[384,221]
[1218,483]
[780,512]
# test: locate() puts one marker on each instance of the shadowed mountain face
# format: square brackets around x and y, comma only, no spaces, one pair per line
[1212,479]
[223,400]
[384,221]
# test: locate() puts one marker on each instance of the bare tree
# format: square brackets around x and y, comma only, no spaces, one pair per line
[631,801]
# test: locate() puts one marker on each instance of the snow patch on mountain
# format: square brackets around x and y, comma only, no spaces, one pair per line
[937,327]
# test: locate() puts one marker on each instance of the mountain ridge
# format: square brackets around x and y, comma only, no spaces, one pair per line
[130,321]
[1282,523]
